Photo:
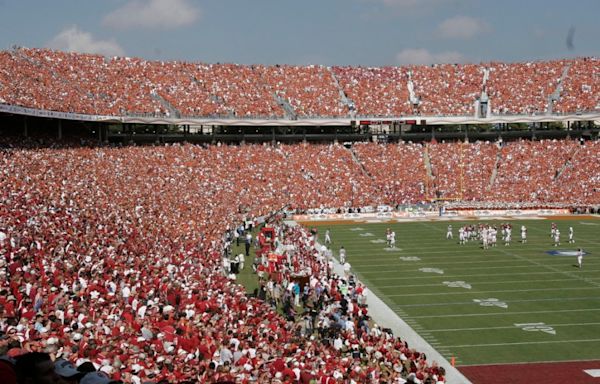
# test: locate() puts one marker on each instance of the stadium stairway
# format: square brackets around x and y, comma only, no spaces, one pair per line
[566,165]
[414,100]
[494,171]
[360,164]
[431,187]
[174,112]
[555,96]
[343,97]
[287,108]
[427,163]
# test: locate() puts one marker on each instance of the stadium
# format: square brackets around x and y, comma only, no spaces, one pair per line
[169,221]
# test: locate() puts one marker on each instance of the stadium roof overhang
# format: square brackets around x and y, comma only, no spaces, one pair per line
[420,120]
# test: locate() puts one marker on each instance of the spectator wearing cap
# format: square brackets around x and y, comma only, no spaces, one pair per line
[67,371]
[95,378]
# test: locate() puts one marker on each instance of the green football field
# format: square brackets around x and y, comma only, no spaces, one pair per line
[507,304]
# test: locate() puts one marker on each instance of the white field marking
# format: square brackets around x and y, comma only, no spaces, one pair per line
[507,327]
[523,343]
[537,327]
[432,270]
[586,223]
[504,313]
[550,268]
[356,229]
[499,291]
[461,276]
[392,249]
[366,234]
[378,241]
[592,372]
[410,258]
[366,264]
[477,282]
[462,269]
[447,303]
[444,261]
[491,302]
[457,284]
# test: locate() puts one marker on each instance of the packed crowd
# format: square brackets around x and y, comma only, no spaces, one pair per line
[529,170]
[309,90]
[580,88]
[113,257]
[92,84]
[462,171]
[398,171]
[376,91]
[523,88]
[447,89]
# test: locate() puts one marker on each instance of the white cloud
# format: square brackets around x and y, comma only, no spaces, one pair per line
[164,14]
[462,27]
[75,40]
[421,56]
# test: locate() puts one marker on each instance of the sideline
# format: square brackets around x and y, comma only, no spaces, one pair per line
[382,314]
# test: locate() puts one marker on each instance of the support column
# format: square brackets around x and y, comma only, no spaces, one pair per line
[59,129]
[25,133]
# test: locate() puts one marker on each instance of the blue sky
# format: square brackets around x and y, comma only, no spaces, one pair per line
[329,32]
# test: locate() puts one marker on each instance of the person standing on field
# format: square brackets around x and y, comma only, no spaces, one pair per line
[342,255]
[571,236]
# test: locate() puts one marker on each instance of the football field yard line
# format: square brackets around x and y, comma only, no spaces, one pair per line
[444,263]
[475,292]
[461,276]
[508,327]
[504,313]
[524,343]
[466,269]
[475,283]
[446,303]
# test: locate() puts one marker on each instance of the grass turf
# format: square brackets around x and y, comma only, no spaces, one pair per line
[531,307]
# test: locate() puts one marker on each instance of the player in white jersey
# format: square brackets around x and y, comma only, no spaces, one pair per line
[493,236]
[580,257]
[556,237]
[342,255]
[393,239]
[508,235]
[388,236]
[523,234]
[449,233]
[571,236]
[485,237]
[327,237]
[461,235]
